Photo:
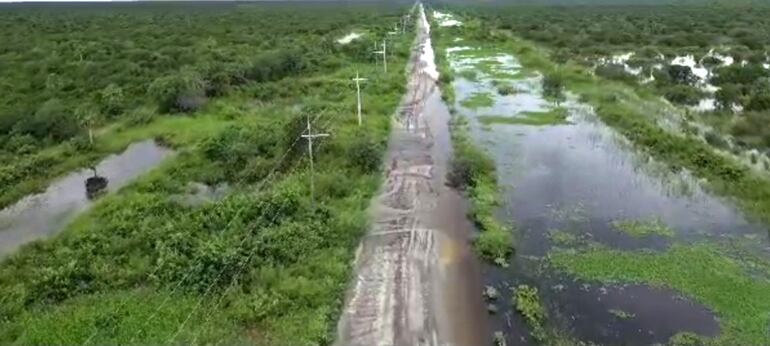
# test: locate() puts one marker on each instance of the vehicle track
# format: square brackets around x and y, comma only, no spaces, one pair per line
[400,285]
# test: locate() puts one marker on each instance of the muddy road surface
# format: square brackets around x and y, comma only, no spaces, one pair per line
[416,280]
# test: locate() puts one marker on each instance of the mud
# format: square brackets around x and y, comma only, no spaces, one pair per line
[42,215]
[416,279]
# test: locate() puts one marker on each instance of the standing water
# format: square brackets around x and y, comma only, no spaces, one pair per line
[42,215]
[416,278]
[569,182]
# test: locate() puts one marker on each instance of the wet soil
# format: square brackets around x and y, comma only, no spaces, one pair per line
[42,215]
[416,278]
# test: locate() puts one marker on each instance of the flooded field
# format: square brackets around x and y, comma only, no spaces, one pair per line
[572,184]
[41,215]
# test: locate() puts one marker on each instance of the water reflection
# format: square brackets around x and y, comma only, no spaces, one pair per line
[578,178]
[41,215]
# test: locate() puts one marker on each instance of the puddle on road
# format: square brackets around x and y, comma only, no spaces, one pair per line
[41,215]
[577,179]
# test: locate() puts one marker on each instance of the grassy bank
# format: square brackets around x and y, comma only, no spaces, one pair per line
[261,265]
[474,171]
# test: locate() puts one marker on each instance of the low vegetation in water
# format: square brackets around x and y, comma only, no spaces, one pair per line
[629,112]
[260,266]
[643,228]
[470,75]
[563,238]
[505,89]
[736,291]
[556,116]
[474,171]
[478,100]
[701,272]
[527,302]
[621,314]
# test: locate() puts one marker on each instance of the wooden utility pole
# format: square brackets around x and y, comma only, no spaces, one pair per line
[358,95]
[384,53]
[310,136]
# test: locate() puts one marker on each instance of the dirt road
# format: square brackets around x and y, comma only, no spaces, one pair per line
[416,281]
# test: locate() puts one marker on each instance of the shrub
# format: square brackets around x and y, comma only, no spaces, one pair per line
[182,92]
[615,72]
[683,94]
[112,100]
[365,153]
[553,86]
[52,120]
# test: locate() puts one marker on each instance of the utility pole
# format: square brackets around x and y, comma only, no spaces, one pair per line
[358,95]
[310,136]
[384,53]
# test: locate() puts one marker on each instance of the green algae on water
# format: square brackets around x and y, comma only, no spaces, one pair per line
[478,100]
[556,116]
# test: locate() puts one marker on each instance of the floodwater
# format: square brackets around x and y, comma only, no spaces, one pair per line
[578,178]
[42,215]
[417,281]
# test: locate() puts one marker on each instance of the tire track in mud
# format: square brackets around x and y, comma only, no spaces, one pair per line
[398,294]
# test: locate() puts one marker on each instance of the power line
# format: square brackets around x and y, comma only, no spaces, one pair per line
[208,289]
[187,275]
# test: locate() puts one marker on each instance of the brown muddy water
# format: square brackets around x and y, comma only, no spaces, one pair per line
[416,279]
[578,178]
[42,215]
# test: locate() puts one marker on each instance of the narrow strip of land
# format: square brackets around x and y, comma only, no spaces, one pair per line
[416,281]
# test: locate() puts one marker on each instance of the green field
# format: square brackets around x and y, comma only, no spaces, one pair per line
[261,265]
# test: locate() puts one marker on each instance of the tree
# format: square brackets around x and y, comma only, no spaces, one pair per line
[759,102]
[182,91]
[681,74]
[727,96]
[683,94]
[553,87]
[51,120]
[112,100]
[88,116]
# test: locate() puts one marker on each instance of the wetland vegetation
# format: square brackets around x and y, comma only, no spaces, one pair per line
[565,60]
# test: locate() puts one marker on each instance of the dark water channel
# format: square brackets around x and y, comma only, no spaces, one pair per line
[44,214]
[578,178]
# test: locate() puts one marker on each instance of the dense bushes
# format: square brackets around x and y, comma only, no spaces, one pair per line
[171,245]
[130,64]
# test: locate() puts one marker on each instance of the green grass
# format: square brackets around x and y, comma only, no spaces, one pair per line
[505,89]
[470,75]
[623,315]
[474,171]
[478,100]
[74,321]
[563,238]
[278,265]
[527,302]
[556,116]
[643,228]
[488,66]
[699,271]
